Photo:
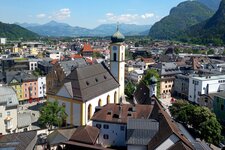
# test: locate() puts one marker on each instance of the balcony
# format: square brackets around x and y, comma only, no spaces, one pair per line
[8,123]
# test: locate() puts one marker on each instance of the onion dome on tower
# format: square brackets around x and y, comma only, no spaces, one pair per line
[117,37]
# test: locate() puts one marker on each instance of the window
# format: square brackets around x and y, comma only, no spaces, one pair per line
[99,102]
[165,86]
[105,126]
[89,111]
[114,56]
[169,85]
[222,107]
[108,99]
[0,115]
[106,136]
[98,126]
[25,95]
[115,97]
[8,113]
[199,93]
[122,128]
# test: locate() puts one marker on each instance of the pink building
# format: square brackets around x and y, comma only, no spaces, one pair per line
[30,89]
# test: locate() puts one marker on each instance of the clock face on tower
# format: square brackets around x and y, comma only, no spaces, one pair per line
[114,48]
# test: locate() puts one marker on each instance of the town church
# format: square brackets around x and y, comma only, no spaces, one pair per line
[86,88]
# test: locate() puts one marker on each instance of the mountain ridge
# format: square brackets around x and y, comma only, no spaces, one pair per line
[13,31]
[181,17]
[54,28]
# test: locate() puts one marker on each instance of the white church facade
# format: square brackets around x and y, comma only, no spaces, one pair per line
[92,86]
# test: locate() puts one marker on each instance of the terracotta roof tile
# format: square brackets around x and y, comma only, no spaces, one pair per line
[87,134]
[76,56]
[120,113]
[87,48]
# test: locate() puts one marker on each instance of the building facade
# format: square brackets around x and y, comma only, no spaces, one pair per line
[205,85]
[8,110]
[84,89]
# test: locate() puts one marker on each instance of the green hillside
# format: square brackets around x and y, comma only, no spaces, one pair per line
[180,18]
[12,31]
[211,30]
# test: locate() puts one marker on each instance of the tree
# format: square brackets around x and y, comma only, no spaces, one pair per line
[200,118]
[97,55]
[210,52]
[210,131]
[150,73]
[129,89]
[52,114]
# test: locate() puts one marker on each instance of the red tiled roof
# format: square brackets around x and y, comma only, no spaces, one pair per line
[87,48]
[147,60]
[120,113]
[76,56]
[87,134]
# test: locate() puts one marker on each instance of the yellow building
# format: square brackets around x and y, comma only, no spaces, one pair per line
[33,51]
[17,86]
[16,50]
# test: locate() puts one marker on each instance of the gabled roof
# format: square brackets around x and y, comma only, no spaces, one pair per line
[120,113]
[87,134]
[18,141]
[68,66]
[60,135]
[141,131]
[141,94]
[167,127]
[88,82]
[8,96]
[87,48]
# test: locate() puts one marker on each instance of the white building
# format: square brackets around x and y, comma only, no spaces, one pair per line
[3,41]
[41,87]
[112,120]
[8,110]
[205,85]
[33,64]
[136,75]
[54,54]
[84,89]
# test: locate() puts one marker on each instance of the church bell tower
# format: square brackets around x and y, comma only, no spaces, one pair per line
[117,60]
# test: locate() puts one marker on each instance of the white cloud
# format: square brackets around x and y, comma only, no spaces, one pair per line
[63,14]
[147,15]
[41,15]
[128,17]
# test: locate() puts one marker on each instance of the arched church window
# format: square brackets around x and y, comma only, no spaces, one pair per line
[89,111]
[108,99]
[99,102]
[115,97]
[114,56]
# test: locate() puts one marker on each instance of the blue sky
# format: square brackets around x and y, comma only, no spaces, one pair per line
[85,13]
